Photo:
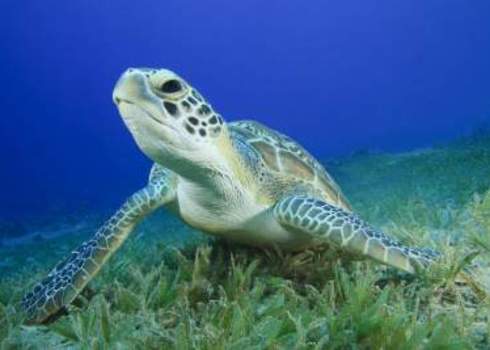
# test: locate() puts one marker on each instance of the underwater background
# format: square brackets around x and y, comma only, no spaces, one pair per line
[392,97]
[337,76]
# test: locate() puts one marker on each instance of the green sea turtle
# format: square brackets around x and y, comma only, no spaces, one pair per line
[241,181]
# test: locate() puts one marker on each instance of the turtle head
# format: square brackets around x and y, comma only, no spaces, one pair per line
[169,120]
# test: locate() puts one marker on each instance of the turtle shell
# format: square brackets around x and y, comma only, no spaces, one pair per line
[285,157]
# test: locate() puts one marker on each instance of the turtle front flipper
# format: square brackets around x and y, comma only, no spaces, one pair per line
[69,277]
[346,230]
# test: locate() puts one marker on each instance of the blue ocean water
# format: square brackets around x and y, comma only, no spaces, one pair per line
[338,76]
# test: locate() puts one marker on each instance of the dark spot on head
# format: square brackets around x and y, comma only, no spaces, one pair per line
[204,109]
[196,95]
[204,124]
[213,120]
[186,105]
[191,100]
[202,132]
[190,129]
[220,120]
[193,120]
[171,108]
[171,86]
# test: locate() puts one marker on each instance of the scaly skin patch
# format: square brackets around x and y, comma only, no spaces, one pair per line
[348,231]
[69,277]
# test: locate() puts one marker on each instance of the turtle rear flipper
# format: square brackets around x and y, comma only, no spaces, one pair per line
[69,278]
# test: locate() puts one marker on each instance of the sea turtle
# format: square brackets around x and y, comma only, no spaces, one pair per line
[241,181]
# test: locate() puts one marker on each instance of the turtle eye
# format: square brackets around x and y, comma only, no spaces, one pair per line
[171,86]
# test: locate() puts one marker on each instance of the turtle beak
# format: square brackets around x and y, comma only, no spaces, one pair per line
[133,87]
[128,86]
